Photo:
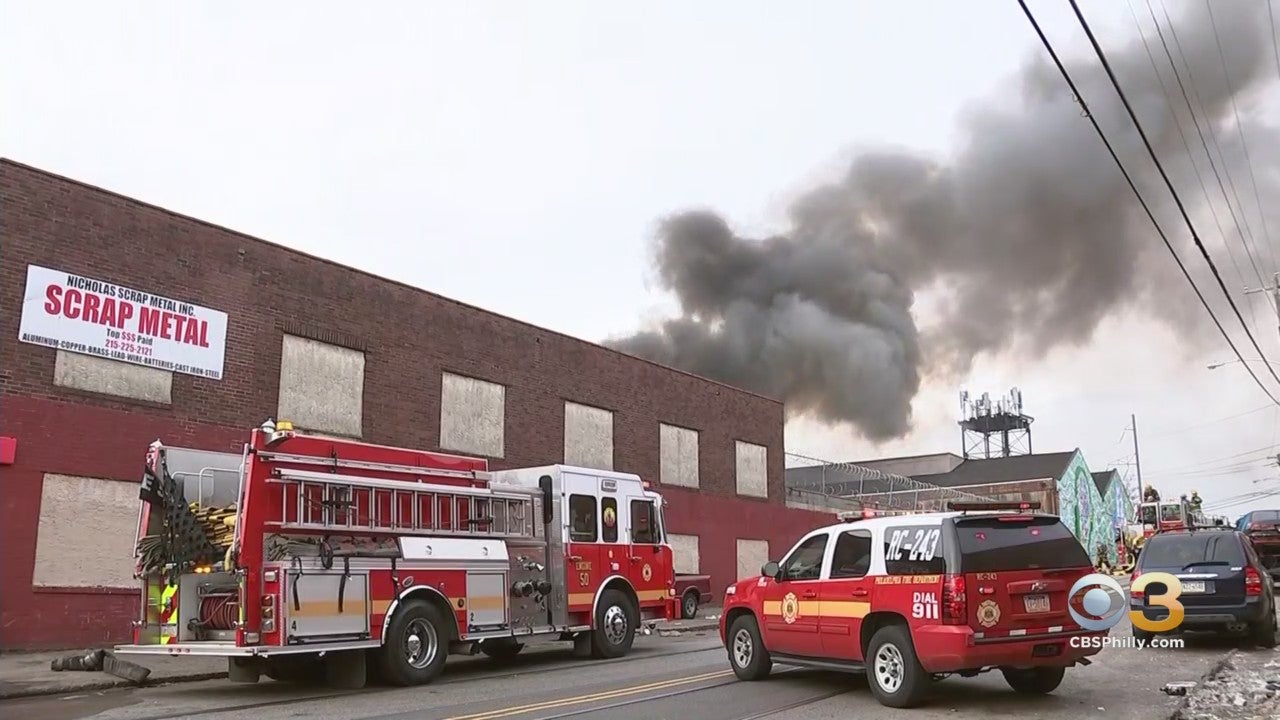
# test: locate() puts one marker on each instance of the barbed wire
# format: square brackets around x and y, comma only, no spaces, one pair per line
[888,490]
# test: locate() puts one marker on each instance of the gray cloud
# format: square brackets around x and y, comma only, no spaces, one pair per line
[1027,236]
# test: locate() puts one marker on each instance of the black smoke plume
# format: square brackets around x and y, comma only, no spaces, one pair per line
[1025,240]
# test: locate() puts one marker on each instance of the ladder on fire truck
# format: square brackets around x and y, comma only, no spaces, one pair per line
[329,501]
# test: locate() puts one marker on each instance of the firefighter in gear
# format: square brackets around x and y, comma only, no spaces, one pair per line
[1150,495]
[1195,501]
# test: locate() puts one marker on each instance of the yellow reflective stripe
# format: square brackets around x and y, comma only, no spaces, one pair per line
[823,608]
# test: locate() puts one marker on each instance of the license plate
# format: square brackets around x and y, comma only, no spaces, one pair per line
[1037,603]
[1192,586]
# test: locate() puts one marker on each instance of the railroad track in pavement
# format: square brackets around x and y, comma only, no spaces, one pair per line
[510,671]
[602,703]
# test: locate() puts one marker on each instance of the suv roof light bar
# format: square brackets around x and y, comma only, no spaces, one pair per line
[980,506]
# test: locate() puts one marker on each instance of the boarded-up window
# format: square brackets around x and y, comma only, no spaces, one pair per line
[753,469]
[86,532]
[752,555]
[679,456]
[321,386]
[112,377]
[685,553]
[472,415]
[588,436]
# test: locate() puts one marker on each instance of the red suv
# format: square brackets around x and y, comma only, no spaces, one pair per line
[908,598]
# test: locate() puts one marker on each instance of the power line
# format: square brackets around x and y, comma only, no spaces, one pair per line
[1177,124]
[1275,44]
[1245,230]
[1211,422]
[1244,144]
[1267,449]
[1182,209]
[1142,201]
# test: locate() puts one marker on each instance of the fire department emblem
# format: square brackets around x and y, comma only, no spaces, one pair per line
[988,613]
[790,608]
[647,572]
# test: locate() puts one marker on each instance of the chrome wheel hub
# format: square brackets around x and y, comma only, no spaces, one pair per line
[420,644]
[742,648]
[889,668]
[615,625]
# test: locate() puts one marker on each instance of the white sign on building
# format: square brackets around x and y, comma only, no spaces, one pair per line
[79,314]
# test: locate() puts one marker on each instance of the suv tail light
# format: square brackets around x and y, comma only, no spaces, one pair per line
[1135,594]
[954,608]
[1252,582]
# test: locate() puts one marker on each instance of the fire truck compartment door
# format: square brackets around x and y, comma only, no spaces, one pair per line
[454,549]
[313,608]
[486,599]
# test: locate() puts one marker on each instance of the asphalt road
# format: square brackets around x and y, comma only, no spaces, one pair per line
[663,679]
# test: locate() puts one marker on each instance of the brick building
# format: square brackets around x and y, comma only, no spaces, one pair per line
[335,350]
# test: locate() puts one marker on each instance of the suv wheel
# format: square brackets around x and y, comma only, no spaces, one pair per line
[1264,634]
[1034,681]
[893,670]
[747,653]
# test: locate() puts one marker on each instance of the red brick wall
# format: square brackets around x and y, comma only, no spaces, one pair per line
[705,515]
[409,337]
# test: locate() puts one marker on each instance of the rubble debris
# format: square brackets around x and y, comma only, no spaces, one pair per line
[1177,688]
[1241,687]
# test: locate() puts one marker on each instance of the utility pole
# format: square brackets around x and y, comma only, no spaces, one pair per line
[1275,294]
[1137,461]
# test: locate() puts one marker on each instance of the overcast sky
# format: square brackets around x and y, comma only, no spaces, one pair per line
[518,155]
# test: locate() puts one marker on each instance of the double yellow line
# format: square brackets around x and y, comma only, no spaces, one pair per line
[594,697]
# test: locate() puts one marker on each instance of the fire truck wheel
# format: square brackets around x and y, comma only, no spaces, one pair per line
[689,605]
[893,671]
[416,644]
[1034,681]
[501,648]
[616,622]
[747,653]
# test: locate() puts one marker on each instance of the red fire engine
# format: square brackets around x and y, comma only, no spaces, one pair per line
[305,548]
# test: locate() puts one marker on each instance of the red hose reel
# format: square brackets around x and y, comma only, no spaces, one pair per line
[219,612]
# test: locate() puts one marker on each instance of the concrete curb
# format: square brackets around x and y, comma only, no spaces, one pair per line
[93,685]
[1180,712]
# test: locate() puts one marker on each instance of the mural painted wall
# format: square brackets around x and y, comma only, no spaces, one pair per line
[1083,509]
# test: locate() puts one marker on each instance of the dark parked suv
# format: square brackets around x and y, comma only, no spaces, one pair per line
[1224,585]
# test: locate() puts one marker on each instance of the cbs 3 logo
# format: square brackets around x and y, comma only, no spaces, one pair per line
[1103,599]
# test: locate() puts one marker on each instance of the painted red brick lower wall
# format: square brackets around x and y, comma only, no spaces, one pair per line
[84,439]
[720,521]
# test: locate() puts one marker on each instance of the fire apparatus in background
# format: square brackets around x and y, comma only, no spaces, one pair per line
[1155,516]
[313,554]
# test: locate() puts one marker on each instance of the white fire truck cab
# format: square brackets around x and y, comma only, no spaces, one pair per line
[308,554]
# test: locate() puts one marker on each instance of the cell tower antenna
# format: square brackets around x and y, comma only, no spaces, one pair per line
[990,430]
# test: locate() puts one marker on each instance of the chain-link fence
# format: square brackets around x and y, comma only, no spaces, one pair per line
[840,484]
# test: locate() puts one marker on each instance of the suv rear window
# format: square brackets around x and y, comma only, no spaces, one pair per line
[1265,516]
[914,550]
[1184,549]
[990,544]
